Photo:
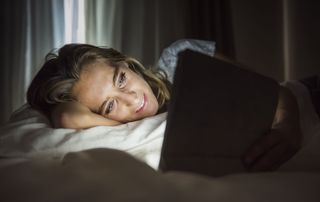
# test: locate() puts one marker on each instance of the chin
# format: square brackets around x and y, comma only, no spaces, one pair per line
[154,109]
[150,112]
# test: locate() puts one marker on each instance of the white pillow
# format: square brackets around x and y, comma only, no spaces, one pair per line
[29,134]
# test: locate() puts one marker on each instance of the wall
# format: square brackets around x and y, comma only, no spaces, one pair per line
[278,38]
[304,37]
[257,27]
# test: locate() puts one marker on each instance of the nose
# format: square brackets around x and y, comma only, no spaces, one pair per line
[129,98]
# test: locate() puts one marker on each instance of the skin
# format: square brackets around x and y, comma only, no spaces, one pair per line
[283,139]
[96,86]
[106,97]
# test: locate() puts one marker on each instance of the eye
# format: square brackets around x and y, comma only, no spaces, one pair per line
[110,107]
[122,80]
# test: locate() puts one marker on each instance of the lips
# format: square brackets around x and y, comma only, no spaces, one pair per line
[142,104]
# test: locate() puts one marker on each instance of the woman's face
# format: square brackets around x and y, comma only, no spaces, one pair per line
[115,93]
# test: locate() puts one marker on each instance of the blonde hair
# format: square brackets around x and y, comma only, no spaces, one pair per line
[54,81]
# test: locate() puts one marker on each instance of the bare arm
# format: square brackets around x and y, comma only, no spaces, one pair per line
[77,116]
[283,139]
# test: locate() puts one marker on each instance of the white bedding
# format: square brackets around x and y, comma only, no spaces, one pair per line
[111,175]
[30,135]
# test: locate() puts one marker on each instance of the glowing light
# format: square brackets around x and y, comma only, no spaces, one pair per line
[74,21]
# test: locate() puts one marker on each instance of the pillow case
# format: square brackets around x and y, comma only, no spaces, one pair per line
[30,135]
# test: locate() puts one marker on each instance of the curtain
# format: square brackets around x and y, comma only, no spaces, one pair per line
[12,77]
[302,31]
[276,38]
[143,28]
[211,20]
[29,32]
[140,28]
[101,20]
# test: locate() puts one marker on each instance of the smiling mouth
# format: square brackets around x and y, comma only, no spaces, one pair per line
[142,105]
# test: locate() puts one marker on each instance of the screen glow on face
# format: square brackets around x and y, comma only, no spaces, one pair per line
[115,93]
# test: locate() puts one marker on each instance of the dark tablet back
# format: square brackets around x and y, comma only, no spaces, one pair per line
[217,111]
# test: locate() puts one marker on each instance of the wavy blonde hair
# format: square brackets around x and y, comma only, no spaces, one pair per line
[54,81]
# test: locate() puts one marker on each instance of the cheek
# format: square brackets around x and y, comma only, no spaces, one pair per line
[122,115]
[154,106]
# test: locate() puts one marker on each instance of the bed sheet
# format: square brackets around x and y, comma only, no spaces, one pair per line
[113,175]
[30,135]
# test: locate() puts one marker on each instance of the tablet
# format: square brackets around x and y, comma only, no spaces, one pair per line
[217,111]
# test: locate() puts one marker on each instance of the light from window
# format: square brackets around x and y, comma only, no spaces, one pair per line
[74,21]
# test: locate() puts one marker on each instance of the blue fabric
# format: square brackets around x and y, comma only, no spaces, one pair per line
[169,57]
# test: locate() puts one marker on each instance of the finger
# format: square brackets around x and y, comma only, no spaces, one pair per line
[272,159]
[289,153]
[275,157]
[261,146]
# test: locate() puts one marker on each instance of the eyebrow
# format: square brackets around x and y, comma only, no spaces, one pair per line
[114,80]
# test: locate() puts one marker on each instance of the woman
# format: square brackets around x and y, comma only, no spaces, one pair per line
[85,86]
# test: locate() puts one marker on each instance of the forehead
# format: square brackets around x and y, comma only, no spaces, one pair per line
[95,81]
[96,70]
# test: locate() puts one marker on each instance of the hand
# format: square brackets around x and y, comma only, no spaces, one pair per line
[77,116]
[281,142]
